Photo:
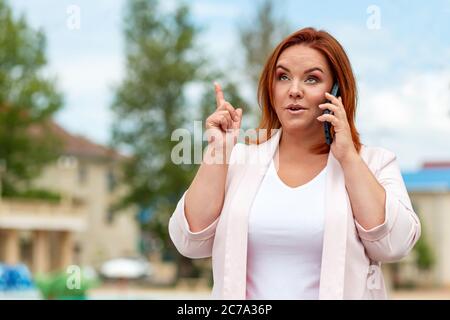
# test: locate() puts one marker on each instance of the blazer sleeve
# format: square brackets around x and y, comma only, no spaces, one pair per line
[199,244]
[190,244]
[397,235]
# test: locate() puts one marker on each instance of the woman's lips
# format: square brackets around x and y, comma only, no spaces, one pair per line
[296,112]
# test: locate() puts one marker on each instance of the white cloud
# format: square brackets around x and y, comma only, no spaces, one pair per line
[88,116]
[421,100]
[89,73]
[87,85]
[371,52]
[404,96]
[411,118]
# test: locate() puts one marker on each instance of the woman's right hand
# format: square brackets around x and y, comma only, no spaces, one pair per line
[224,121]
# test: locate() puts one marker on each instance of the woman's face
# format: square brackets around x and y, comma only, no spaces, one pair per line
[302,77]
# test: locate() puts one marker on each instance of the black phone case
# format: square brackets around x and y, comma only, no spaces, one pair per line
[326,124]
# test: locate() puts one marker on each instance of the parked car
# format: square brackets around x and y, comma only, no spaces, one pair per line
[126,268]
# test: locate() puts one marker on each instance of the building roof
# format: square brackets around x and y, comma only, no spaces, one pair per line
[430,178]
[437,164]
[79,146]
[82,147]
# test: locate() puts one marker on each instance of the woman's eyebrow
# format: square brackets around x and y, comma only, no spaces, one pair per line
[306,71]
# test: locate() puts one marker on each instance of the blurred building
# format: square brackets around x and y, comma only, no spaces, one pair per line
[79,229]
[429,190]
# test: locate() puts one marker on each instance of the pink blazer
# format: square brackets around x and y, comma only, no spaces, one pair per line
[352,256]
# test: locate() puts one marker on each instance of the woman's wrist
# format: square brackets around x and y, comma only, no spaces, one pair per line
[218,152]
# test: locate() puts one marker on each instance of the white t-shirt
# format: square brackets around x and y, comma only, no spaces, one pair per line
[285,238]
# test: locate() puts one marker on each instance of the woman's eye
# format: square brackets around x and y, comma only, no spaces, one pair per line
[283,76]
[311,78]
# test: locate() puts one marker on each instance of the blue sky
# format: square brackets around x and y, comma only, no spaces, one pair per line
[402,68]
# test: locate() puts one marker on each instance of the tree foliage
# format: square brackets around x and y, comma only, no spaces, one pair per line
[28,99]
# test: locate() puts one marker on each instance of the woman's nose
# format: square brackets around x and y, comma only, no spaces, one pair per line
[295,92]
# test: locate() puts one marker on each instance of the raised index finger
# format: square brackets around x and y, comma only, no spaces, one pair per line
[219,94]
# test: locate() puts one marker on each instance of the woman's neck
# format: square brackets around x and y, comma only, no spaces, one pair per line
[294,146]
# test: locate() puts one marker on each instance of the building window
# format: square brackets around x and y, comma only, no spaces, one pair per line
[109,217]
[82,174]
[67,162]
[77,250]
[111,180]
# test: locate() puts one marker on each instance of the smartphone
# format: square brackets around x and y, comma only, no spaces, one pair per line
[326,124]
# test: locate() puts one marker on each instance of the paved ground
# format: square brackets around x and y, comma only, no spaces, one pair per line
[431,294]
[136,293]
[130,293]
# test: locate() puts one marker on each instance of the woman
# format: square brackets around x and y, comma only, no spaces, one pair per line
[289,216]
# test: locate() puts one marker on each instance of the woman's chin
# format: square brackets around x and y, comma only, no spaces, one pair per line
[299,126]
[294,125]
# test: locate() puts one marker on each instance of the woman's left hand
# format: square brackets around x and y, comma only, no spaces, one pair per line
[342,146]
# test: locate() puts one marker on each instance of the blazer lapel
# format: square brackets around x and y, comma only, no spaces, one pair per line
[335,229]
[335,233]
[235,277]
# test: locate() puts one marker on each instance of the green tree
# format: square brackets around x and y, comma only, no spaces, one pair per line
[28,99]
[162,60]
[424,254]
[425,257]
[258,37]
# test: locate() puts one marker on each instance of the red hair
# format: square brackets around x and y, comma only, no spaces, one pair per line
[340,66]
